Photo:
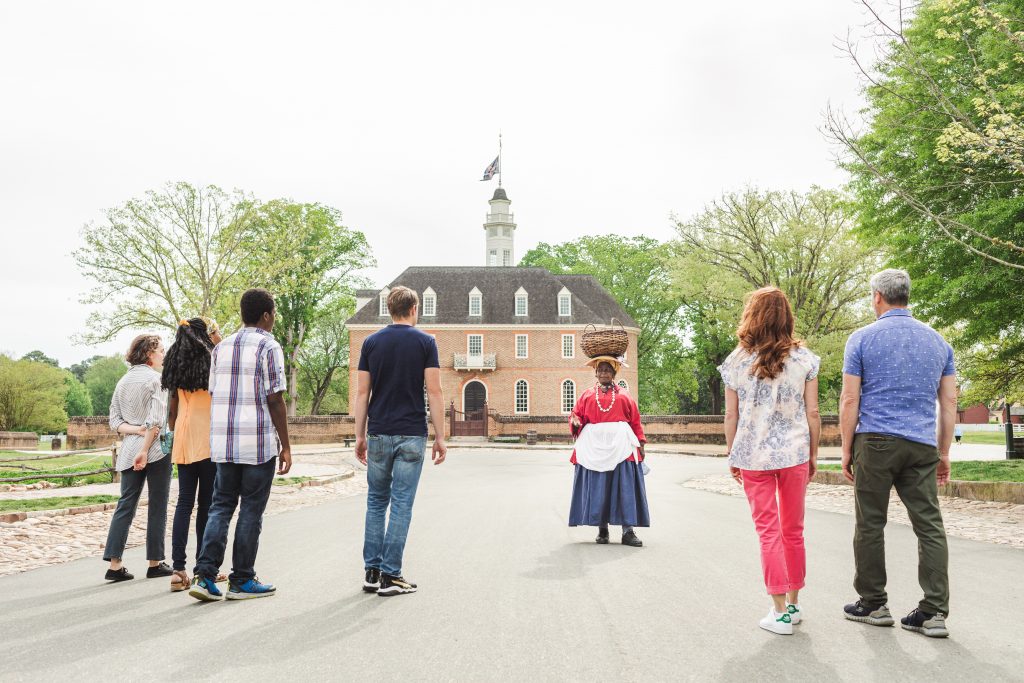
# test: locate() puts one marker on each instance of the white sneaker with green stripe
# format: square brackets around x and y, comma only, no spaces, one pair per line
[794,613]
[776,622]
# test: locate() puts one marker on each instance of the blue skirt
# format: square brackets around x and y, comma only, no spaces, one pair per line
[605,498]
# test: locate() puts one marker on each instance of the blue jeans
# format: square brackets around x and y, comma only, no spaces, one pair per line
[393,466]
[251,484]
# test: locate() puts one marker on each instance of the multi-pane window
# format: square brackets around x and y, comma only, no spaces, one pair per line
[383,303]
[522,346]
[521,307]
[565,304]
[492,257]
[568,345]
[522,396]
[568,396]
[506,257]
[476,304]
[429,305]
[476,345]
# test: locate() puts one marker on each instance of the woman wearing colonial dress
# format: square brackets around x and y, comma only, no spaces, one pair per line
[608,486]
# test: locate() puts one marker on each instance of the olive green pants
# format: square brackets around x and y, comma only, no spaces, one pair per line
[879,463]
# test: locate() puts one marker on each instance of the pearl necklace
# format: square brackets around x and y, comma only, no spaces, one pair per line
[597,398]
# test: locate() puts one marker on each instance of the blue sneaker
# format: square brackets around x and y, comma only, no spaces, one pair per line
[205,589]
[251,589]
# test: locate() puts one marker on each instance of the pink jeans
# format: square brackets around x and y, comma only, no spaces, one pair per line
[780,524]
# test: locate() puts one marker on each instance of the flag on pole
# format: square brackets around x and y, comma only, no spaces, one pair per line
[492,169]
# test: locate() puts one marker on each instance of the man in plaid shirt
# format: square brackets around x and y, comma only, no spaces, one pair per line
[248,433]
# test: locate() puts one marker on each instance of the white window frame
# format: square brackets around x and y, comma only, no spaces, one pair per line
[565,296]
[469,345]
[526,345]
[383,306]
[565,382]
[506,257]
[522,295]
[492,257]
[515,397]
[572,345]
[475,296]
[429,303]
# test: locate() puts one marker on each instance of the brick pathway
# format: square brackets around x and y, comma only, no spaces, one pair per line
[41,541]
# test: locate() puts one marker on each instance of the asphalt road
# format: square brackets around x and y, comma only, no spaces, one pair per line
[508,592]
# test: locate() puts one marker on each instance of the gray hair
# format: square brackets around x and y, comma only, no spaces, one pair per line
[893,285]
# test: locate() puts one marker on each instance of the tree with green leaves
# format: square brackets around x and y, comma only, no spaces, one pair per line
[78,369]
[803,244]
[77,400]
[312,259]
[175,253]
[324,353]
[40,357]
[938,172]
[100,380]
[31,396]
[635,270]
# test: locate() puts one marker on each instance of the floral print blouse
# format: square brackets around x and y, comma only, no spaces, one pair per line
[772,432]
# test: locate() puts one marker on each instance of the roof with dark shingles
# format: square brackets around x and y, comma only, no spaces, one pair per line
[591,303]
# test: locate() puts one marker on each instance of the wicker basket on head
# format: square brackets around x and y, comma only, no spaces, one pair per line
[607,342]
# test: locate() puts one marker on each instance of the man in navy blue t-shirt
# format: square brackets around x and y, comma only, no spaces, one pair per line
[394,366]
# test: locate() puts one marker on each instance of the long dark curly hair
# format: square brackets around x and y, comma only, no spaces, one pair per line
[187,362]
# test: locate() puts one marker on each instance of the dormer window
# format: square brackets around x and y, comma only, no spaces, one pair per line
[522,302]
[564,302]
[476,302]
[429,302]
[383,310]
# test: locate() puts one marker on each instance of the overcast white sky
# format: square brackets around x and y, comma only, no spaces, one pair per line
[614,116]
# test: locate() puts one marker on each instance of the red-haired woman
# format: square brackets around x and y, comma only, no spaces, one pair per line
[771,430]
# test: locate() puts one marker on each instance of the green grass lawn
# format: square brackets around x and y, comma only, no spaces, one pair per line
[977,470]
[998,438]
[84,462]
[58,503]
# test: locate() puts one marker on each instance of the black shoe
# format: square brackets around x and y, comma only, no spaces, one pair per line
[118,575]
[868,614]
[160,570]
[931,625]
[372,581]
[602,536]
[630,538]
[394,585]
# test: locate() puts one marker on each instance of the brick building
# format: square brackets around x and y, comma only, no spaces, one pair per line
[508,337]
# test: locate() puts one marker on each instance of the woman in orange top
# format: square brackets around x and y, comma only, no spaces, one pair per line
[185,376]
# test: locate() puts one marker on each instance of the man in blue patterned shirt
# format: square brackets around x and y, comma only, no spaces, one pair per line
[248,442]
[895,371]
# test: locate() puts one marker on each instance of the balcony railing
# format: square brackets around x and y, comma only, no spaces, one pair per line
[465,361]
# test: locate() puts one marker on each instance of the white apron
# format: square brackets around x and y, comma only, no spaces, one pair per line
[601,446]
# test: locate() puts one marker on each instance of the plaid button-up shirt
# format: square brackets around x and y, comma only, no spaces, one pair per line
[245,368]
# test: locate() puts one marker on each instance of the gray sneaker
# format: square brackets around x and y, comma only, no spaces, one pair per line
[931,625]
[876,616]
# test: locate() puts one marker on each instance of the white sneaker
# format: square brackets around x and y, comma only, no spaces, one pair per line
[777,623]
[794,613]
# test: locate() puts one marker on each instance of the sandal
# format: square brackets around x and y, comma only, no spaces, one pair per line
[179,580]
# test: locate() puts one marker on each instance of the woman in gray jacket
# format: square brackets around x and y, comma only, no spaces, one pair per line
[137,411]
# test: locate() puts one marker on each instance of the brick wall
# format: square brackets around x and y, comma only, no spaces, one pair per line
[89,432]
[657,428]
[19,440]
[544,369]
